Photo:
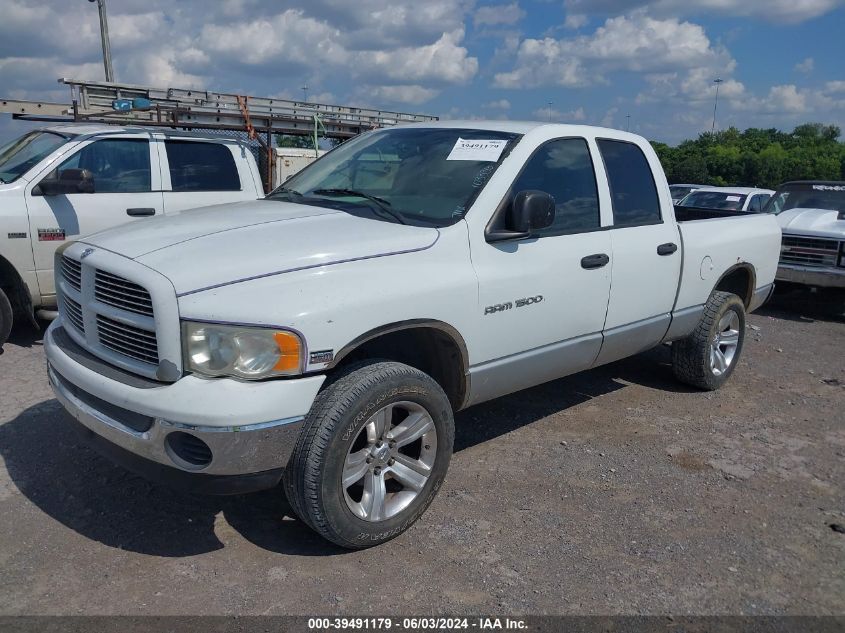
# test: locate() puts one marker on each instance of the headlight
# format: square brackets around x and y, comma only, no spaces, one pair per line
[244,352]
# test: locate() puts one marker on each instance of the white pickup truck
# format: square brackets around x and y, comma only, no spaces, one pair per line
[325,335]
[64,182]
[812,217]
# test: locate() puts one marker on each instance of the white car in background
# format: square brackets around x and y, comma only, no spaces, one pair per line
[812,217]
[680,191]
[745,199]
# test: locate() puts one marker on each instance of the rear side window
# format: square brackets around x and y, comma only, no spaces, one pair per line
[563,168]
[197,166]
[632,187]
[758,202]
[118,165]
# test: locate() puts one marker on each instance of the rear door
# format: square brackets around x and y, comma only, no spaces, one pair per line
[198,173]
[646,252]
[543,299]
[126,187]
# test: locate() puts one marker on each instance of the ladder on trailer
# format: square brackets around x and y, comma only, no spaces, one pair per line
[261,117]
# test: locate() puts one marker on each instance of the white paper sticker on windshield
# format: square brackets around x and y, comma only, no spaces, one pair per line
[477,149]
[733,198]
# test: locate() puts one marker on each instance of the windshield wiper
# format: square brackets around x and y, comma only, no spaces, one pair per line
[382,204]
[285,190]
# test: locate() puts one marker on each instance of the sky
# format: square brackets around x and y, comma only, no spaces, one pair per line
[595,62]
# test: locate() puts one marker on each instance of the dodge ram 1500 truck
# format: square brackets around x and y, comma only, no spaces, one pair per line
[63,182]
[323,337]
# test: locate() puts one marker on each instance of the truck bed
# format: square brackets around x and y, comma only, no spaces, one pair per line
[688,214]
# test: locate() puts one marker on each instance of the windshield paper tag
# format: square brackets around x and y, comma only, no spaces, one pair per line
[476,149]
[733,198]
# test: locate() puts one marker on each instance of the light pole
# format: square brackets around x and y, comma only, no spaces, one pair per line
[716,81]
[628,125]
[104,38]
[305,93]
[550,110]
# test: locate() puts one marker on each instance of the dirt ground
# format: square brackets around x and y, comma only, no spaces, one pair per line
[617,491]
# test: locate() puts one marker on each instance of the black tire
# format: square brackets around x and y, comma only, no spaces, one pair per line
[337,420]
[6,317]
[691,356]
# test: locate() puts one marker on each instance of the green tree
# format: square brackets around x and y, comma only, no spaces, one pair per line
[756,156]
[294,140]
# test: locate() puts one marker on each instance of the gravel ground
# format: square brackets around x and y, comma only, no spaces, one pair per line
[617,491]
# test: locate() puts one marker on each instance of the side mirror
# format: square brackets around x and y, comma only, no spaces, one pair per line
[68,181]
[531,211]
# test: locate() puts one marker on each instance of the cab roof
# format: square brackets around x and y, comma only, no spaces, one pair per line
[93,129]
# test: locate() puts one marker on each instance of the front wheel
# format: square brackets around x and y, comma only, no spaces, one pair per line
[708,356]
[372,455]
[5,317]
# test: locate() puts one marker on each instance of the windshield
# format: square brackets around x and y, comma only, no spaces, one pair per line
[714,200]
[422,176]
[808,196]
[679,191]
[17,157]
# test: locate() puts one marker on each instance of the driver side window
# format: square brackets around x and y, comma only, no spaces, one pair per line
[117,165]
[563,168]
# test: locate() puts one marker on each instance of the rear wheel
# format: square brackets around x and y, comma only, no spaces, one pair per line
[372,455]
[5,317]
[708,356]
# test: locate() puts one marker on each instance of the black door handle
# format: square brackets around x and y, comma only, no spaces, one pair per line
[594,261]
[667,249]
[141,211]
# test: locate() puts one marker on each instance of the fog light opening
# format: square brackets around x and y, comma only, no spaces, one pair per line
[187,451]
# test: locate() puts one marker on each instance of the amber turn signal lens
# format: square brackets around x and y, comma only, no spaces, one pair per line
[289,352]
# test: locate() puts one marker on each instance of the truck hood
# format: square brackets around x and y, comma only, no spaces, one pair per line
[821,222]
[215,246]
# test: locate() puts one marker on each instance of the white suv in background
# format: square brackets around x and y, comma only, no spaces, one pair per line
[64,182]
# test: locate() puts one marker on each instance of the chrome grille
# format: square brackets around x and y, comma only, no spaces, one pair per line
[809,251]
[122,293]
[72,272]
[73,312]
[127,340]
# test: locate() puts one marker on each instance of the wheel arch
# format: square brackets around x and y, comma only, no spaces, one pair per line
[432,346]
[740,279]
[16,290]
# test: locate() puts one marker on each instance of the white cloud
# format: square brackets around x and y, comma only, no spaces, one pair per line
[444,61]
[499,14]
[551,114]
[790,11]
[402,94]
[499,104]
[788,99]
[835,87]
[609,116]
[806,66]
[634,43]
[575,20]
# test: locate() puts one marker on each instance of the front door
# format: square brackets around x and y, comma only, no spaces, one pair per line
[126,188]
[543,300]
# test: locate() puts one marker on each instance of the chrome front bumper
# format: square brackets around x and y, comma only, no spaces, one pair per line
[809,276]
[236,450]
